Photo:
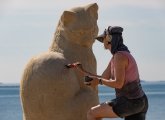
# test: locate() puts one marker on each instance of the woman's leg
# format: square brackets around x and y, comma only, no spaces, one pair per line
[138,116]
[141,115]
[101,111]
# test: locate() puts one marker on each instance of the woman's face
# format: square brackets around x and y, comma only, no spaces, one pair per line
[106,41]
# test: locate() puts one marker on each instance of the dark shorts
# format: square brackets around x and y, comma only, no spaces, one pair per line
[130,109]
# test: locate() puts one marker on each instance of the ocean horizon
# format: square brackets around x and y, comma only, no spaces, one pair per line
[18,83]
[10,106]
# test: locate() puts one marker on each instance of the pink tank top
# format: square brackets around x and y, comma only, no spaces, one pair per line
[132,88]
[131,73]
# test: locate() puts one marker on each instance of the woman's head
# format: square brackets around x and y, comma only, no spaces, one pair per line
[112,39]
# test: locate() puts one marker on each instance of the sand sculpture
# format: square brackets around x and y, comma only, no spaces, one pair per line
[50,91]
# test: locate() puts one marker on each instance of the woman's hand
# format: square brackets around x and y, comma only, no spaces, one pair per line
[93,82]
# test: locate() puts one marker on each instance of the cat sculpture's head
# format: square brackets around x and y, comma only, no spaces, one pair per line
[79,25]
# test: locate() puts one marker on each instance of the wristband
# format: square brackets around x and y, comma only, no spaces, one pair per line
[100,81]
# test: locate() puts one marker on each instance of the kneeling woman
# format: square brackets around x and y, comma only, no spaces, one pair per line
[122,74]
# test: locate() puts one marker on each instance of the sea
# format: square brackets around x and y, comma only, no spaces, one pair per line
[10,106]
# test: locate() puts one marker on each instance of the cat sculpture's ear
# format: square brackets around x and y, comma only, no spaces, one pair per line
[92,9]
[68,17]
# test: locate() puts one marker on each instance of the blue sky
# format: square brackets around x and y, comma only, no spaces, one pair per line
[27,27]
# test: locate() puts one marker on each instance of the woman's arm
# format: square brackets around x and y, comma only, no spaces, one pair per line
[120,63]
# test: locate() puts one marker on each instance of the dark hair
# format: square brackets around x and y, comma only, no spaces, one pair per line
[117,44]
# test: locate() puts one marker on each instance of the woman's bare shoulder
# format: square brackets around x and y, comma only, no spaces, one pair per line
[121,58]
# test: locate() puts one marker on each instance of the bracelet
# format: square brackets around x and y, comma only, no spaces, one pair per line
[100,81]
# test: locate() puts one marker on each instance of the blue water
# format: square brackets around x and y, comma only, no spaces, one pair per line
[10,106]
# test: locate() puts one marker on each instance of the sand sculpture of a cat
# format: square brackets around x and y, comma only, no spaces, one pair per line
[50,91]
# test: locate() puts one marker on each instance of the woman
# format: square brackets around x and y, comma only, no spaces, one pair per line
[122,74]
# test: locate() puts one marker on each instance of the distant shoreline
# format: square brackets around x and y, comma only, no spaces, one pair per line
[9,84]
[18,84]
